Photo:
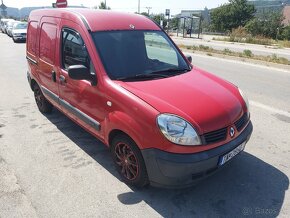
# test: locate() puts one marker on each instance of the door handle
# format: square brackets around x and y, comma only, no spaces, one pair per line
[62,79]
[53,76]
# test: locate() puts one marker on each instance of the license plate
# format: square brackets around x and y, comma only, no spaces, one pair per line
[231,154]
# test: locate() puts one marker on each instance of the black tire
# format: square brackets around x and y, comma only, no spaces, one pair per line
[43,105]
[131,161]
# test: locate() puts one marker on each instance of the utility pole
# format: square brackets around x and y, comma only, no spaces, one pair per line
[138,6]
[148,8]
[3,9]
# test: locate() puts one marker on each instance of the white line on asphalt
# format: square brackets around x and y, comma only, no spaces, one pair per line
[269,108]
[241,62]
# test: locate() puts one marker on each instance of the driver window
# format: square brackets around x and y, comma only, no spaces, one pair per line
[74,50]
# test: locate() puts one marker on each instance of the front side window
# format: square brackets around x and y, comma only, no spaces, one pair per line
[159,49]
[138,54]
[74,51]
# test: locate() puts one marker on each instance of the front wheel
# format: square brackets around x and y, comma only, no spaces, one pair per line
[43,105]
[129,161]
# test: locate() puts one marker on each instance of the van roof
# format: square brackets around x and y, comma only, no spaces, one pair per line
[99,20]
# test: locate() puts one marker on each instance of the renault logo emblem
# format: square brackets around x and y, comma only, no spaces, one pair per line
[132,26]
[232,132]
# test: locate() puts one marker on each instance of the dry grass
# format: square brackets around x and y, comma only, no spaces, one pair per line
[245,54]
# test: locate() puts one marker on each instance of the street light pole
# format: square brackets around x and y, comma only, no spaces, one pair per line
[148,8]
[138,6]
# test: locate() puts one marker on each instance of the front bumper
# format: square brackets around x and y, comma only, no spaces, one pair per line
[19,38]
[182,170]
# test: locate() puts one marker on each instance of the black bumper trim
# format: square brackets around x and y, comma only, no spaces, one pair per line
[181,170]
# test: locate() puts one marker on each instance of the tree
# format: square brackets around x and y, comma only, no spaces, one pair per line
[232,15]
[286,33]
[158,17]
[174,23]
[145,14]
[269,25]
[104,6]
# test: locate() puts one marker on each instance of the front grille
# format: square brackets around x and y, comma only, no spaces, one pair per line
[215,136]
[23,34]
[240,123]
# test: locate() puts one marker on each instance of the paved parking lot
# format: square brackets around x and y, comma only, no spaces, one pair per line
[50,167]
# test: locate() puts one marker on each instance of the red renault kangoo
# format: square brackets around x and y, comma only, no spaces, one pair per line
[120,76]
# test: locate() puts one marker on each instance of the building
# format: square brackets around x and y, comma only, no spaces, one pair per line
[266,6]
[189,20]
[286,13]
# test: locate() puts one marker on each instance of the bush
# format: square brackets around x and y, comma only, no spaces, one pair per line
[227,51]
[286,33]
[248,53]
[204,48]
[267,25]
[239,34]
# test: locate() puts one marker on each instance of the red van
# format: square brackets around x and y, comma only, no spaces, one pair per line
[121,77]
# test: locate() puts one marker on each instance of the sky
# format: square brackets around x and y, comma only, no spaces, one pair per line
[157,6]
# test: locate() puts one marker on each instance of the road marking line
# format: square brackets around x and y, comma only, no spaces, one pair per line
[239,62]
[269,108]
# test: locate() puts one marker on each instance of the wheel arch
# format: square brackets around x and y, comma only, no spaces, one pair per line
[32,84]
[116,132]
[120,123]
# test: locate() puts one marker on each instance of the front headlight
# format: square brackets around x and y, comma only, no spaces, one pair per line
[177,130]
[245,100]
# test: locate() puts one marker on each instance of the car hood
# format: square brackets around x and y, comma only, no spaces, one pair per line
[203,99]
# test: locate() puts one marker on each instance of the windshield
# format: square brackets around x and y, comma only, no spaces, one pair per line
[10,24]
[20,26]
[136,54]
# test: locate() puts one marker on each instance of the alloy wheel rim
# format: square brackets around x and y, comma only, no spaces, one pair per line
[126,161]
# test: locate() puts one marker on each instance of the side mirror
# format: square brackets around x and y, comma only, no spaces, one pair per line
[189,58]
[80,72]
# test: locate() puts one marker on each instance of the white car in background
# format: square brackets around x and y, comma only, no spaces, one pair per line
[4,24]
[19,31]
[9,27]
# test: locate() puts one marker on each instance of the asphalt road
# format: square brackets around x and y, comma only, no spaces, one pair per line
[50,167]
[237,47]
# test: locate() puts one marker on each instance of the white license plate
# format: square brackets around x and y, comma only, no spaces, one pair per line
[231,154]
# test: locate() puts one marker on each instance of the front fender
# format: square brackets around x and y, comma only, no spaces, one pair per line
[118,120]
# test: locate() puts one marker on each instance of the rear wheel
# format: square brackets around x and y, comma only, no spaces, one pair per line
[129,161]
[43,105]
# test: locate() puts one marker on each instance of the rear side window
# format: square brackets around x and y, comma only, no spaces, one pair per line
[47,42]
[74,51]
[31,37]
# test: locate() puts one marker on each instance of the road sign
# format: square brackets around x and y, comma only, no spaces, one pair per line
[167,12]
[61,3]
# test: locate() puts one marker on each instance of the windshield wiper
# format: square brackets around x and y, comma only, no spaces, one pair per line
[143,76]
[172,71]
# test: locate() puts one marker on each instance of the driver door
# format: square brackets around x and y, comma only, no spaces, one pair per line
[80,99]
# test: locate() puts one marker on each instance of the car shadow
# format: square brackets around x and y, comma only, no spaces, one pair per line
[84,140]
[247,186]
